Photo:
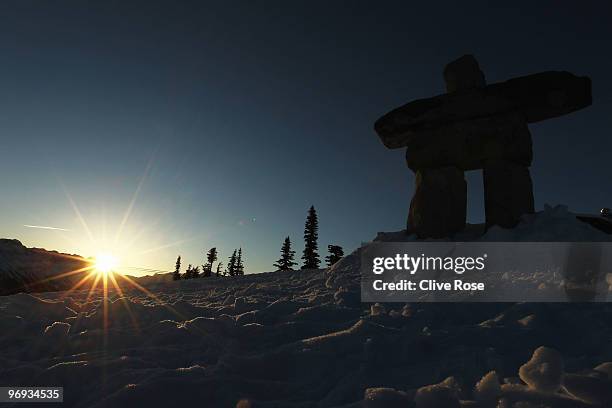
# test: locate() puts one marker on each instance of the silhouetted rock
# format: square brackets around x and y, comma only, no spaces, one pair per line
[463,73]
[469,144]
[536,97]
[476,126]
[508,193]
[439,202]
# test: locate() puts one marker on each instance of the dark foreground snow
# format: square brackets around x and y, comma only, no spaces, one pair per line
[303,339]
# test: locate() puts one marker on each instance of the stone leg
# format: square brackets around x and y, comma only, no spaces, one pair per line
[439,203]
[508,193]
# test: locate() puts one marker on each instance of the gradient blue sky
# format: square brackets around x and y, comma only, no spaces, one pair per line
[237,116]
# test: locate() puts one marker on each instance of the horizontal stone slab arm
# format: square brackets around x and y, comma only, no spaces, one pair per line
[537,97]
[468,145]
[546,95]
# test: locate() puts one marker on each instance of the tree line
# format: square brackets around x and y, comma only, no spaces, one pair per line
[235,265]
[310,255]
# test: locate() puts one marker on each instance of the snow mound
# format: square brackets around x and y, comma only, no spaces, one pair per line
[552,224]
[488,390]
[544,372]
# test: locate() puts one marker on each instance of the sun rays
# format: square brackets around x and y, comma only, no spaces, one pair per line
[106,276]
[129,239]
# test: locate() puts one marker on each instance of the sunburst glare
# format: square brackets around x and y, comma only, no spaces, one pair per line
[106,262]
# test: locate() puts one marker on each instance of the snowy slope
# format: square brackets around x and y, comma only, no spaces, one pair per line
[303,339]
[30,269]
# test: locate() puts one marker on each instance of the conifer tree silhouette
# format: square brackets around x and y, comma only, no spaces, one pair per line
[231,265]
[310,255]
[335,254]
[219,266]
[239,269]
[177,269]
[286,262]
[189,272]
[211,258]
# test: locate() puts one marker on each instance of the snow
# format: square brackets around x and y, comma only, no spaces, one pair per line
[385,398]
[544,371]
[552,224]
[488,390]
[303,339]
[437,395]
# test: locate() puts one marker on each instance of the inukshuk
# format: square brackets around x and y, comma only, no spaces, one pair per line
[476,126]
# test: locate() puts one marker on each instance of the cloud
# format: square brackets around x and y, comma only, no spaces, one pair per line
[45,228]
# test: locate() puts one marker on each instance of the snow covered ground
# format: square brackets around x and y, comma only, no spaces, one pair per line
[304,339]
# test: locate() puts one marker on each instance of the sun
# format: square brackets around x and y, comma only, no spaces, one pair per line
[105,262]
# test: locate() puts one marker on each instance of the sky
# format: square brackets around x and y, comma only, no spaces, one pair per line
[153,129]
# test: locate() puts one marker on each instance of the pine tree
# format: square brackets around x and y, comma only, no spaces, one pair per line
[195,273]
[335,254]
[219,266]
[177,269]
[239,265]
[310,255]
[231,265]
[189,272]
[286,262]
[211,258]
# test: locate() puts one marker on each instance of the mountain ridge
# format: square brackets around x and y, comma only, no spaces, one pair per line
[24,269]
